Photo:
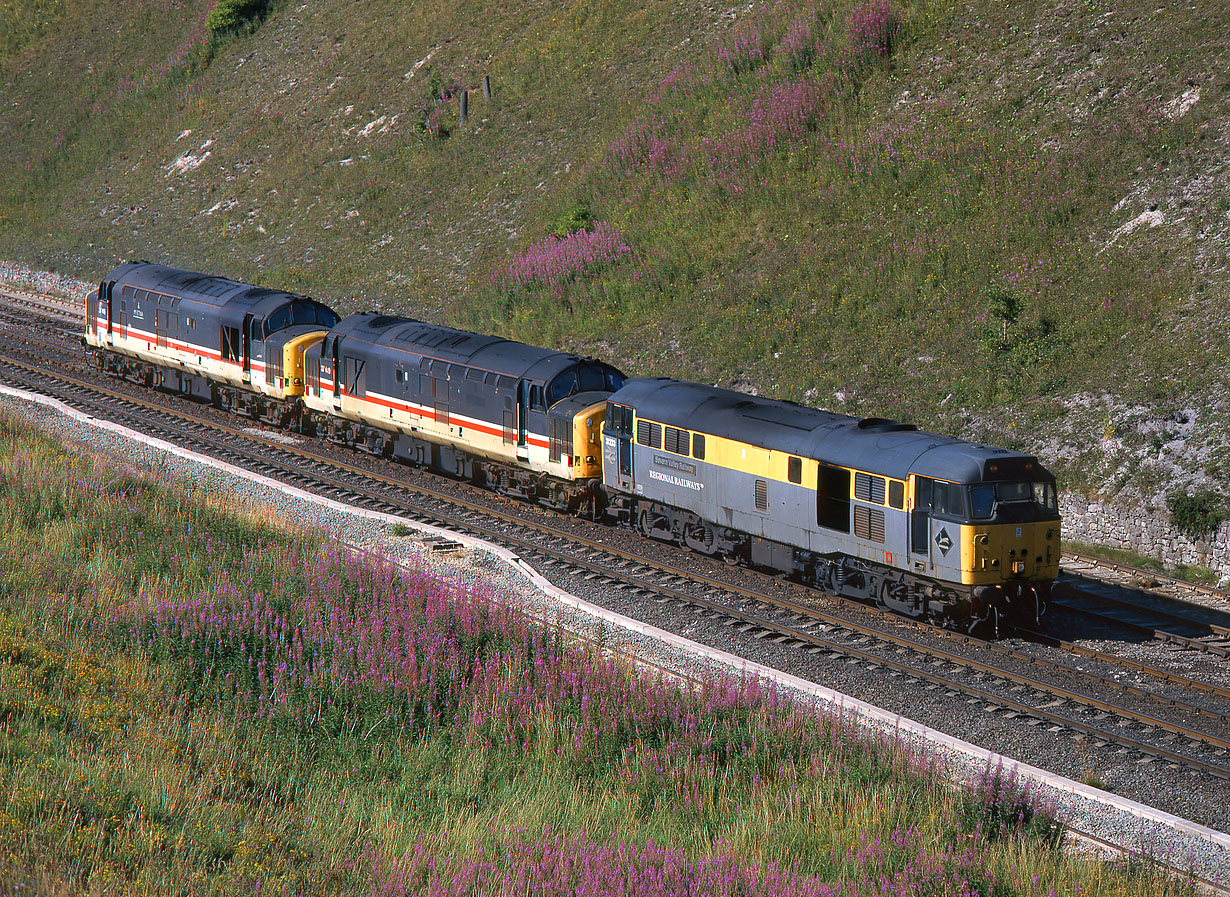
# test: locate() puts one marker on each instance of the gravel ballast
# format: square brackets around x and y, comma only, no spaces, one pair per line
[1106,816]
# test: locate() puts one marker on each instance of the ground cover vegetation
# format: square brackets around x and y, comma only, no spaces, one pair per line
[194,700]
[1002,221]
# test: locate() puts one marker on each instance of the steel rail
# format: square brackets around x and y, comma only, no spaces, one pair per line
[812,616]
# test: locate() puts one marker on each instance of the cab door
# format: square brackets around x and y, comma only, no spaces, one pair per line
[256,346]
[935,526]
[523,448]
[337,377]
[617,447]
[245,351]
[920,524]
[104,311]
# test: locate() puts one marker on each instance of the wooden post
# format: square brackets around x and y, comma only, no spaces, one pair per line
[487,88]
[465,105]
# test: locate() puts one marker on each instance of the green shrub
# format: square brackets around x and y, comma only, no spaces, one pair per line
[229,14]
[1005,306]
[574,218]
[1196,515]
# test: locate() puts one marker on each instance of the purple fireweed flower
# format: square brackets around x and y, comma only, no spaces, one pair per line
[874,28]
[554,260]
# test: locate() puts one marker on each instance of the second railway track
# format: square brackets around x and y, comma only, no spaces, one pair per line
[1023,686]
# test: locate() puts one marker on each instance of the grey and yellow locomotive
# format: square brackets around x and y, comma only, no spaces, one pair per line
[926,525]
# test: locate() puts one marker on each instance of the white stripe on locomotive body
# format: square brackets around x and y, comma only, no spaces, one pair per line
[196,359]
[479,437]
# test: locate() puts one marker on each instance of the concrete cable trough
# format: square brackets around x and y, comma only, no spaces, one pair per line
[1109,821]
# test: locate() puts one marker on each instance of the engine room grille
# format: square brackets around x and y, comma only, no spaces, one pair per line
[869,488]
[649,434]
[677,441]
[869,524]
[762,497]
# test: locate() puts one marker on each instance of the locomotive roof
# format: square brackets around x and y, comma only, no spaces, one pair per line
[205,288]
[488,353]
[871,444]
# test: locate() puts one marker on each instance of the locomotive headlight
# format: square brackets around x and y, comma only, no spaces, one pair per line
[589,422]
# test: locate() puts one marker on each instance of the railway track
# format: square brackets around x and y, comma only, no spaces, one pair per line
[45,306]
[1197,627]
[1126,711]
[1019,685]
[1145,612]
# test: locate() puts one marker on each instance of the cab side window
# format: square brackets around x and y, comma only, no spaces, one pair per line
[619,419]
[279,320]
[946,499]
[949,499]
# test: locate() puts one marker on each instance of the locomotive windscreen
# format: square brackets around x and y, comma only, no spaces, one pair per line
[584,378]
[311,313]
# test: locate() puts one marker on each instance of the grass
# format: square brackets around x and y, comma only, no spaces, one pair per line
[194,700]
[803,214]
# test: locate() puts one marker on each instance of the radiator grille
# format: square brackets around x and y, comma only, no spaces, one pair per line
[869,488]
[869,524]
[649,434]
[762,495]
[677,441]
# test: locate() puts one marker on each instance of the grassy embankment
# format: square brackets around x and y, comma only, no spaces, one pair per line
[906,209]
[193,700]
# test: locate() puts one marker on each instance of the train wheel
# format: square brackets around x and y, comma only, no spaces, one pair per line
[900,603]
[647,523]
[642,522]
[700,538]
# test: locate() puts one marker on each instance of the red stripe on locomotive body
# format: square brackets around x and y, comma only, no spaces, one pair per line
[420,411]
[203,351]
[146,336]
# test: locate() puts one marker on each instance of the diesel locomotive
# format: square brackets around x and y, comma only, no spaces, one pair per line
[926,525]
[929,526]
